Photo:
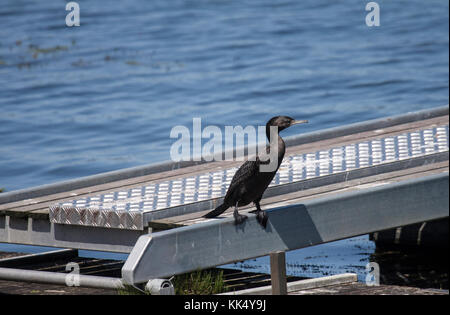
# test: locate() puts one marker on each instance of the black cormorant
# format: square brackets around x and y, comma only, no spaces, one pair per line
[249,182]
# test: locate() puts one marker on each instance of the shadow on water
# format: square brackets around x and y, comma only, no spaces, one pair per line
[412,266]
[403,262]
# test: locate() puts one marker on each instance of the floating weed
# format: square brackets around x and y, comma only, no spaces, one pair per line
[37,49]
[132,63]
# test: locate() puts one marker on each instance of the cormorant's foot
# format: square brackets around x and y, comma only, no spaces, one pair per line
[239,218]
[262,218]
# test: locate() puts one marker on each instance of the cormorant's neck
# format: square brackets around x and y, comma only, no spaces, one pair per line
[281,144]
[268,132]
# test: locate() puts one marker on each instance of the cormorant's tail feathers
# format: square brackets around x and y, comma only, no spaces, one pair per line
[219,210]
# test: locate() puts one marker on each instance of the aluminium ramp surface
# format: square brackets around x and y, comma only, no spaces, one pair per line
[134,207]
[218,242]
[25,214]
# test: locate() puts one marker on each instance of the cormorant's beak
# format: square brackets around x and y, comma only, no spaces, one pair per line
[296,122]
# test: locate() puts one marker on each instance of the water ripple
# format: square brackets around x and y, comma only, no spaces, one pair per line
[104,96]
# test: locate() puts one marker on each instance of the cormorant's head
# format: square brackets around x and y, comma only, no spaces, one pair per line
[283,122]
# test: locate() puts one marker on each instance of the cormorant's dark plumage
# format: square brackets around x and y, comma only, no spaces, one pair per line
[249,183]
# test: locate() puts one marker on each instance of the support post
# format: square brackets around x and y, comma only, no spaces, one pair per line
[278,273]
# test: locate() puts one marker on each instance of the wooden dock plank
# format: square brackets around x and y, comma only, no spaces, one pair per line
[359,288]
[236,282]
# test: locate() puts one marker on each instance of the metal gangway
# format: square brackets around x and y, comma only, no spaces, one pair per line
[333,184]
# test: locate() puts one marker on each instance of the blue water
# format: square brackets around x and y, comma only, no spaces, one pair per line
[349,255]
[104,96]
